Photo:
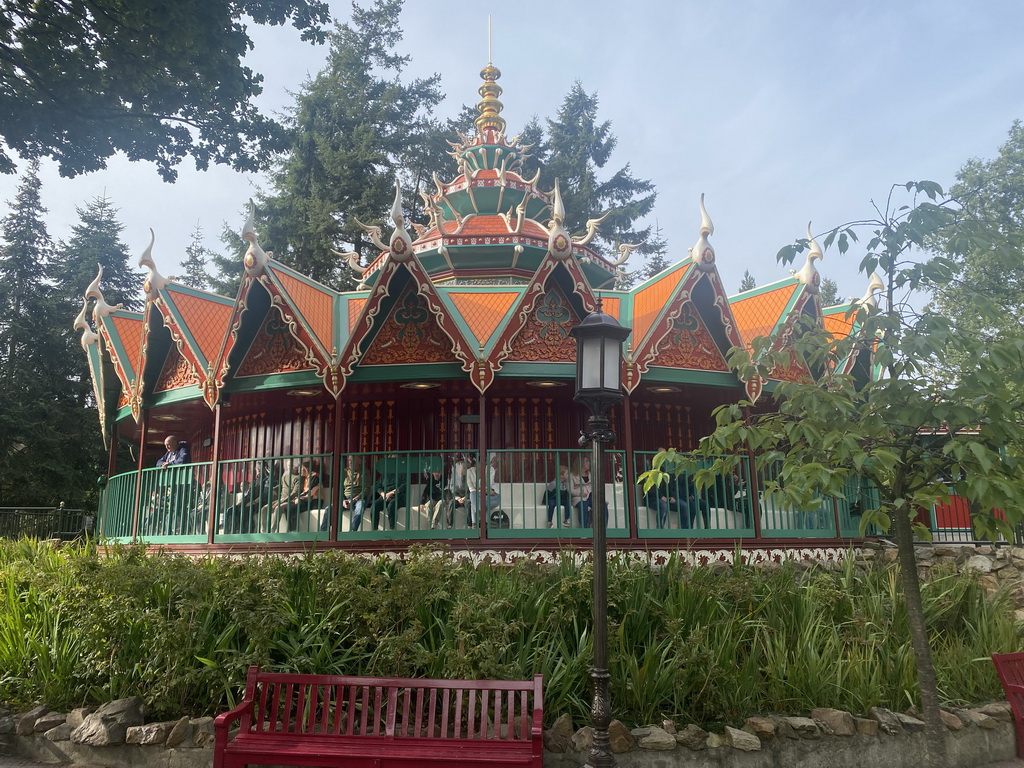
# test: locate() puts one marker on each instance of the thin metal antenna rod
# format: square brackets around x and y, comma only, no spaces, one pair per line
[489,59]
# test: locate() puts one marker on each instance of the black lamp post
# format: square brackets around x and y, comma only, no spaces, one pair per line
[599,386]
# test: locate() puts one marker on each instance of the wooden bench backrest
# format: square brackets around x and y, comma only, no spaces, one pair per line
[1010,668]
[393,708]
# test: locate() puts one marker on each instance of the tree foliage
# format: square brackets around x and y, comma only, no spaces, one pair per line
[81,81]
[985,293]
[357,126]
[914,436]
[575,150]
[828,293]
[196,260]
[748,283]
[48,447]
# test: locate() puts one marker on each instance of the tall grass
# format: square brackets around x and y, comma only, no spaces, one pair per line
[78,627]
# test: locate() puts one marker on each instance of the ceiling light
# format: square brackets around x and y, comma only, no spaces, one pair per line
[420,385]
[663,389]
[304,392]
[543,384]
[166,417]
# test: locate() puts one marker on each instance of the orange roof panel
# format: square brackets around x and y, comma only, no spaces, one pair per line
[315,304]
[204,319]
[838,324]
[650,301]
[355,308]
[129,333]
[483,312]
[759,314]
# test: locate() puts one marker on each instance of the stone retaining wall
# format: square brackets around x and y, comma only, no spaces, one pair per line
[114,736]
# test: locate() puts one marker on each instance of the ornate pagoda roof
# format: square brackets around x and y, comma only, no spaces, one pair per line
[489,288]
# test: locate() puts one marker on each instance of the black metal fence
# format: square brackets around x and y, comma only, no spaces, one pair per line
[45,523]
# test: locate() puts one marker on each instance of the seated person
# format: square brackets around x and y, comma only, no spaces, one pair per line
[241,516]
[557,494]
[693,501]
[432,498]
[389,492]
[457,492]
[308,496]
[356,489]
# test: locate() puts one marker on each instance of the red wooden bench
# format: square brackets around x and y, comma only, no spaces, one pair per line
[376,722]
[1010,668]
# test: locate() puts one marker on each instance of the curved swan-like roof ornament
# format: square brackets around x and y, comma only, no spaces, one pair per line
[102,308]
[703,254]
[808,274]
[154,282]
[559,240]
[89,336]
[255,259]
[869,299]
[401,241]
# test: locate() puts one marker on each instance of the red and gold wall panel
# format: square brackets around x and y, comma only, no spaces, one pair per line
[545,335]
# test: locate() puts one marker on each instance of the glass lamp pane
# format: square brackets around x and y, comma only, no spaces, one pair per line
[612,363]
[590,365]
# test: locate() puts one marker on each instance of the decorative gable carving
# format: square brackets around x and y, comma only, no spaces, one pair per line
[274,349]
[177,372]
[688,344]
[409,335]
[545,335]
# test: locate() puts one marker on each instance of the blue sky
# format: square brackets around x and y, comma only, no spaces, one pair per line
[780,112]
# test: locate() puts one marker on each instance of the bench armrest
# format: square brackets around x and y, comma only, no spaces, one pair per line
[223,722]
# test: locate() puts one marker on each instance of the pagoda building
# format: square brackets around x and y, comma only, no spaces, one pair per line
[452,357]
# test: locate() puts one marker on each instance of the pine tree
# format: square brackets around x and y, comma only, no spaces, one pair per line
[96,239]
[196,257]
[576,151]
[828,293]
[748,283]
[657,260]
[48,451]
[357,126]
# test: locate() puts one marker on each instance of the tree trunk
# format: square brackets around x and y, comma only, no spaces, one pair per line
[935,731]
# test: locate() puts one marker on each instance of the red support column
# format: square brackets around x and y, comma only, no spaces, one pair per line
[336,472]
[211,526]
[629,471]
[482,468]
[143,432]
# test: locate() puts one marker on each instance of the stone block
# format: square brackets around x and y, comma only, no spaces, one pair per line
[742,740]
[840,722]
[563,726]
[715,740]
[866,726]
[77,716]
[60,732]
[553,742]
[583,739]
[693,737]
[150,733]
[181,731]
[25,723]
[951,721]
[6,725]
[668,726]
[619,737]
[48,721]
[761,727]
[910,723]
[998,710]
[805,727]
[202,731]
[657,739]
[886,719]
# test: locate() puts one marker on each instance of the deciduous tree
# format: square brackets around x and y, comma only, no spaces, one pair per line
[81,81]
[914,437]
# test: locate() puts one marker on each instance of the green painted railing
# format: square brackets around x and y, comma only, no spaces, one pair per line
[428,495]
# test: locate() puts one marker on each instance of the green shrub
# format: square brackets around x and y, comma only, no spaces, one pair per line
[81,626]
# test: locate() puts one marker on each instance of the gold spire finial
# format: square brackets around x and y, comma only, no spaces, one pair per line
[489,106]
